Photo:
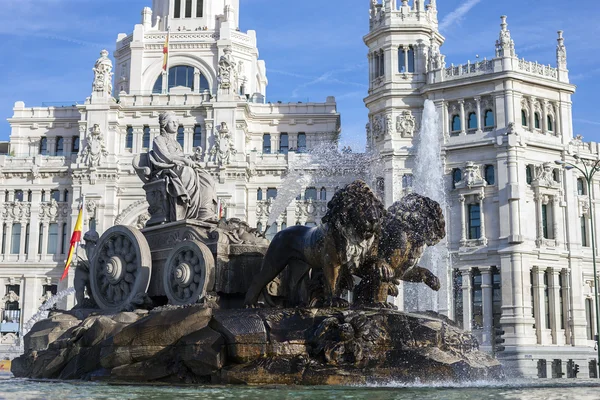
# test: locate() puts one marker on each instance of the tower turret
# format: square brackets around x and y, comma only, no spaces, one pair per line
[194,15]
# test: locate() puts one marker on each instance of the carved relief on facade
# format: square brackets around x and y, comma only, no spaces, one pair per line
[545,176]
[15,211]
[378,126]
[561,52]
[471,177]
[94,148]
[52,210]
[223,146]
[103,74]
[406,124]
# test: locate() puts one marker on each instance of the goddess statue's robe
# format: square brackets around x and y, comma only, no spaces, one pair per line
[191,187]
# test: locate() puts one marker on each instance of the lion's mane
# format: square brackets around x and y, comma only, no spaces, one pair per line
[354,219]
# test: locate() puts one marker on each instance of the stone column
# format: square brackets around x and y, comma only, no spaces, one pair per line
[165,83]
[467,301]
[59,244]
[22,240]
[31,291]
[45,240]
[566,306]
[482,237]
[554,304]
[8,248]
[540,226]
[479,124]
[196,80]
[445,117]
[34,233]
[486,288]
[556,218]
[463,222]
[544,124]
[531,113]
[557,122]
[539,303]
[406,49]
[463,130]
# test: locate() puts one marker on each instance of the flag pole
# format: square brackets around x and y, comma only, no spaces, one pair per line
[82,205]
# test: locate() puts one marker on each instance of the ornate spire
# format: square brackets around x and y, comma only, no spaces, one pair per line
[505,46]
[561,52]
[433,4]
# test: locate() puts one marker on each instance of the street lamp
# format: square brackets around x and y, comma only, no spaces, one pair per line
[588,171]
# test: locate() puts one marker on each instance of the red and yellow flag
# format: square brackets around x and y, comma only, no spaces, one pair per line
[166,53]
[75,238]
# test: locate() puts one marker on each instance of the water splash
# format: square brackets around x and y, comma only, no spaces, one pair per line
[42,313]
[324,165]
[429,181]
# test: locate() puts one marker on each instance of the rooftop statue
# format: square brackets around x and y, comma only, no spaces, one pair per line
[189,189]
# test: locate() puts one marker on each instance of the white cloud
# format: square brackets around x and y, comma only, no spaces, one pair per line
[458,14]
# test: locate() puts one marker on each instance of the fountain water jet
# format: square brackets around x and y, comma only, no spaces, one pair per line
[428,178]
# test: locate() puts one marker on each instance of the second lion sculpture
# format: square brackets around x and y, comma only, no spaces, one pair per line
[336,247]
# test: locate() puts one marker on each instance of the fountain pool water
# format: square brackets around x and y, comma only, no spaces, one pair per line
[428,178]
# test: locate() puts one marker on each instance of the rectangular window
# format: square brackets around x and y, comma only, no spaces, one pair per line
[474,221]
[55,195]
[283,143]
[41,239]
[529,174]
[129,138]
[546,222]
[63,240]
[146,137]
[310,194]
[458,298]
[75,145]
[547,299]
[266,143]
[302,142]
[60,145]
[411,60]
[18,195]
[180,135]
[271,193]
[589,318]
[477,296]
[26,249]
[16,239]
[197,136]
[44,146]
[3,238]
[532,293]
[381,64]
[177,9]
[199,8]
[188,8]
[52,238]
[561,301]
[496,297]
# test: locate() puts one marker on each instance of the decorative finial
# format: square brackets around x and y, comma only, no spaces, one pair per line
[561,52]
[504,25]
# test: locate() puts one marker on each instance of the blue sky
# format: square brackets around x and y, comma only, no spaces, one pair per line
[312,48]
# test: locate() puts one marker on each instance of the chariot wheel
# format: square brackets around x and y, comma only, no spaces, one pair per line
[188,273]
[121,267]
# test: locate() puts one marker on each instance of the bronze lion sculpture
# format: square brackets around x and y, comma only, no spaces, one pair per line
[410,225]
[335,247]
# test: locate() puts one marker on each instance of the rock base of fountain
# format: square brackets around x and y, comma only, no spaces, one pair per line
[304,346]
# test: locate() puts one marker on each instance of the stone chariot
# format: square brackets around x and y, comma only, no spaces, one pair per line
[175,259]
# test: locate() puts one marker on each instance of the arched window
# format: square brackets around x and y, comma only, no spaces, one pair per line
[75,145]
[523,117]
[536,120]
[323,194]
[180,135]
[283,226]
[456,123]
[60,145]
[310,193]
[456,176]
[180,75]
[259,194]
[146,137]
[129,138]
[490,177]
[271,232]
[44,146]
[580,187]
[406,59]
[489,119]
[472,124]
[550,123]
[197,136]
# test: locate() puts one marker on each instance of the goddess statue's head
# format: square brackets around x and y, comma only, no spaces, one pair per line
[168,122]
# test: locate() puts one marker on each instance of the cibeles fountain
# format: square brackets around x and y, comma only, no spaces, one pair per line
[193,299]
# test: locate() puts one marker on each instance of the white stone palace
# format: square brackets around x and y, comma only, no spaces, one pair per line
[519,232]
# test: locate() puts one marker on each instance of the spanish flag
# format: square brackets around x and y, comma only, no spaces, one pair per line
[75,238]
[166,52]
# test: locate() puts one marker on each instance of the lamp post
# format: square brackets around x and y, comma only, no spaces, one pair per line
[588,172]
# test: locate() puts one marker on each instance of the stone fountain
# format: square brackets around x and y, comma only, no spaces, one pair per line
[189,299]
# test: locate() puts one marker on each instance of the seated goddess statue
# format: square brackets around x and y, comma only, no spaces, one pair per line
[188,184]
